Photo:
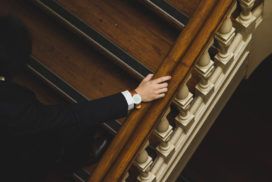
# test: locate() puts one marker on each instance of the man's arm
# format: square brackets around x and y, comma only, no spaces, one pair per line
[39,117]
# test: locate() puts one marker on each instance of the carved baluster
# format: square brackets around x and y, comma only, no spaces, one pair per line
[246,20]
[163,133]
[224,38]
[183,100]
[164,130]
[205,67]
[246,13]
[143,163]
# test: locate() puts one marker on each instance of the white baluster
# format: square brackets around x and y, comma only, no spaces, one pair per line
[246,20]
[164,129]
[183,100]
[205,67]
[224,38]
[166,150]
[143,163]
[246,14]
[163,133]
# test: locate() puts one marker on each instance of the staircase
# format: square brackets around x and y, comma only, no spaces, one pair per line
[84,50]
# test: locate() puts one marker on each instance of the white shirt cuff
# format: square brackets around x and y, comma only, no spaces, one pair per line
[129,99]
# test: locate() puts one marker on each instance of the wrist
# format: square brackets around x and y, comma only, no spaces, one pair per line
[137,99]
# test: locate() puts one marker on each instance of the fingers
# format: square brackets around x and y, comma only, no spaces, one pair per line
[153,89]
[160,96]
[162,85]
[148,77]
[162,90]
[162,79]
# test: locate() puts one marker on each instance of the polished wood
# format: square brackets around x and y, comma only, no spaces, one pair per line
[186,6]
[66,55]
[128,25]
[143,130]
[121,151]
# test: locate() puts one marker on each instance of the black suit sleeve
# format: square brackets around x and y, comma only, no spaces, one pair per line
[39,117]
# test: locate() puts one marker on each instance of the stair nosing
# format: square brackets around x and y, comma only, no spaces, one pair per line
[178,17]
[80,27]
[171,12]
[44,73]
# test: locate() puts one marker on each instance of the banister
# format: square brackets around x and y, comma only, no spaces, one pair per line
[116,159]
[148,122]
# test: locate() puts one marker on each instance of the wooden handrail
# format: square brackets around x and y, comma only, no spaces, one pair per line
[167,66]
[149,121]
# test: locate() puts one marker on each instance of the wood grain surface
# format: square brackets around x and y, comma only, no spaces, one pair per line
[186,6]
[66,55]
[129,25]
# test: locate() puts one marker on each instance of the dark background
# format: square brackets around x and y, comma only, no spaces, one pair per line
[238,146]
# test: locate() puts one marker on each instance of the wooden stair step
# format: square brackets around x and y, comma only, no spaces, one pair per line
[69,93]
[185,6]
[168,12]
[43,73]
[99,41]
[177,12]
[127,25]
[85,70]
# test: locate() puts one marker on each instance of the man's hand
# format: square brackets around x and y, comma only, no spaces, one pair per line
[152,89]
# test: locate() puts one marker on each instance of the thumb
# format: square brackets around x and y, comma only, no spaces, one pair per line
[148,77]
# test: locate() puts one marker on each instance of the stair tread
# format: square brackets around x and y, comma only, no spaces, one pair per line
[185,6]
[127,24]
[84,69]
[176,12]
